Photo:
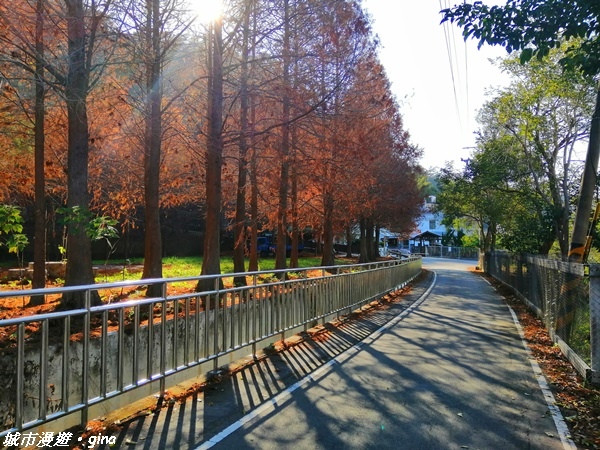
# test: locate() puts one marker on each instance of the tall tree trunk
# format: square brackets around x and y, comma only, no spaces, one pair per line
[79,249]
[281,247]
[39,244]
[348,241]
[253,262]
[588,186]
[363,257]
[152,141]
[211,264]
[376,242]
[239,226]
[328,259]
[369,240]
[295,236]
[330,149]
[294,255]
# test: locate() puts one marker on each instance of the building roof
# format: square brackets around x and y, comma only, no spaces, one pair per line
[427,236]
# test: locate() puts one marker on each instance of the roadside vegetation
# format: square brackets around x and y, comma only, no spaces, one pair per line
[115,271]
[181,267]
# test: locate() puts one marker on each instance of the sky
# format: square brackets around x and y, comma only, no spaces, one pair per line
[415,54]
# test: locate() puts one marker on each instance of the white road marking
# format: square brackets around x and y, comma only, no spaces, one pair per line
[273,403]
[559,421]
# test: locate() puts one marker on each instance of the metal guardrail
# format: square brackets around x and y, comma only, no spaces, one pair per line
[61,363]
[565,296]
[447,252]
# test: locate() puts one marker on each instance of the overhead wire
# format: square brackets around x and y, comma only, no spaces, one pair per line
[451,58]
[468,108]
[467,80]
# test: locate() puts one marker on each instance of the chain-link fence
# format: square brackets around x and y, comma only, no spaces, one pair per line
[565,296]
[444,251]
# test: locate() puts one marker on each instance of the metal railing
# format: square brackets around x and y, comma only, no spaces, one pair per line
[442,251]
[566,296]
[61,363]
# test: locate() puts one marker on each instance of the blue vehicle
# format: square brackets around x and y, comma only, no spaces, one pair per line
[266,246]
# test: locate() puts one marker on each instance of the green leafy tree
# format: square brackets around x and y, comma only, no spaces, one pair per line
[540,117]
[11,229]
[533,28]
[525,230]
[96,228]
[496,190]
[472,193]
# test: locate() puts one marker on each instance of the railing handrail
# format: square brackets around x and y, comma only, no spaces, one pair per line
[147,281]
[186,330]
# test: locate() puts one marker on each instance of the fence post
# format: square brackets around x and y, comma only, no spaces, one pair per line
[163,337]
[595,322]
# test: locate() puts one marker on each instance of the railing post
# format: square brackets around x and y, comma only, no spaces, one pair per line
[338,303]
[252,336]
[43,405]
[86,357]
[216,325]
[20,376]
[163,337]
[595,322]
[65,363]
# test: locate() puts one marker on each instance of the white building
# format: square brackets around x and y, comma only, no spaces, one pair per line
[431,221]
[429,229]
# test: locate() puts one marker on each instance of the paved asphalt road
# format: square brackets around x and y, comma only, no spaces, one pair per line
[449,372]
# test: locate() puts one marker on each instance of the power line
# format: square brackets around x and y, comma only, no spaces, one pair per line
[450,61]
[467,82]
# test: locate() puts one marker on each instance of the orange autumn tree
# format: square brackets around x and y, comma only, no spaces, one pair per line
[378,147]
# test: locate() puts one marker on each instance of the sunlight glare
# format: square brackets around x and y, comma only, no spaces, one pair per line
[206,11]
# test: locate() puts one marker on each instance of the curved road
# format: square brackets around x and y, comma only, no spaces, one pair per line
[445,368]
[450,374]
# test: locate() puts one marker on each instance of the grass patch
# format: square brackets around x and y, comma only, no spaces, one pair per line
[579,340]
[190,266]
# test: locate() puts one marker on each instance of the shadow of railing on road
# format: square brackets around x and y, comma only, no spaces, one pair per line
[189,423]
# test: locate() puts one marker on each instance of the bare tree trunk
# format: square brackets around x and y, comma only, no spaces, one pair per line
[348,241]
[588,186]
[327,259]
[295,236]
[79,250]
[294,255]
[363,257]
[152,141]
[281,247]
[253,262]
[240,208]
[376,242]
[214,161]
[39,245]
[369,238]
